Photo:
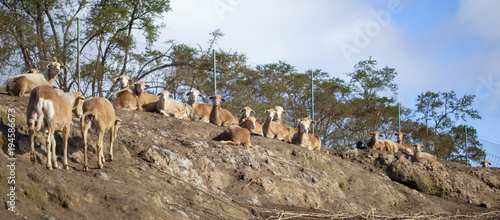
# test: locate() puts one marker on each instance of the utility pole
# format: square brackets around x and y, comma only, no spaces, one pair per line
[215,71]
[399,117]
[466,147]
[312,100]
[78,51]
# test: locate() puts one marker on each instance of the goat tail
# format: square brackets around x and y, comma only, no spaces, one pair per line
[83,122]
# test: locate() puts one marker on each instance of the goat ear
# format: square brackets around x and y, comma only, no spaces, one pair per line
[404,135]
[210,97]
[313,122]
[131,81]
[258,120]
[158,94]
[170,95]
[63,67]
[395,133]
[202,96]
[222,99]
[252,111]
[147,86]
[285,112]
[188,93]
[242,110]
[266,111]
[81,97]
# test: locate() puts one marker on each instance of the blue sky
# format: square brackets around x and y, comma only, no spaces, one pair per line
[433,45]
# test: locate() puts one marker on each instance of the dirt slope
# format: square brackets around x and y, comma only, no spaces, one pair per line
[171,169]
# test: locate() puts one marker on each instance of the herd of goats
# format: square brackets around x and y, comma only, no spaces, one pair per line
[50,109]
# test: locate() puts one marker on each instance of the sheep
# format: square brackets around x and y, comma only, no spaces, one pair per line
[23,84]
[172,107]
[50,109]
[402,146]
[125,100]
[146,100]
[236,135]
[391,145]
[421,156]
[485,163]
[253,125]
[279,111]
[99,112]
[124,81]
[301,137]
[220,116]
[316,141]
[272,129]
[246,111]
[375,143]
[201,111]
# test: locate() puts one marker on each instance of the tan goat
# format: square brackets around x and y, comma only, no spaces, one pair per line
[220,116]
[375,143]
[23,84]
[201,111]
[485,163]
[50,109]
[316,141]
[301,137]
[125,99]
[253,125]
[402,146]
[272,129]
[236,135]
[279,112]
[424,156]
[99,112]
[146,100]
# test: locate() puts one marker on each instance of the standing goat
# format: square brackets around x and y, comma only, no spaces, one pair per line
[99,112]
[23,84]
[50,109]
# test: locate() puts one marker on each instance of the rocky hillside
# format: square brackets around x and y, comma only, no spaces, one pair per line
[171,169]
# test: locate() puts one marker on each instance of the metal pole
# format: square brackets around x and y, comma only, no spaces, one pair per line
[312,100]
[399,117]
[215,71]
[78,51]
[466,147]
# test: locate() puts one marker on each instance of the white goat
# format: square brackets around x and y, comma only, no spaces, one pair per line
[50,109]
[172,107]
[201,111]
[99,112]
[245,113]
[124,81]
[23,84]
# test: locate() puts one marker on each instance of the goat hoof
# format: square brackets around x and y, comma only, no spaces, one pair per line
[66,167]
[111,158]
[86,168]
